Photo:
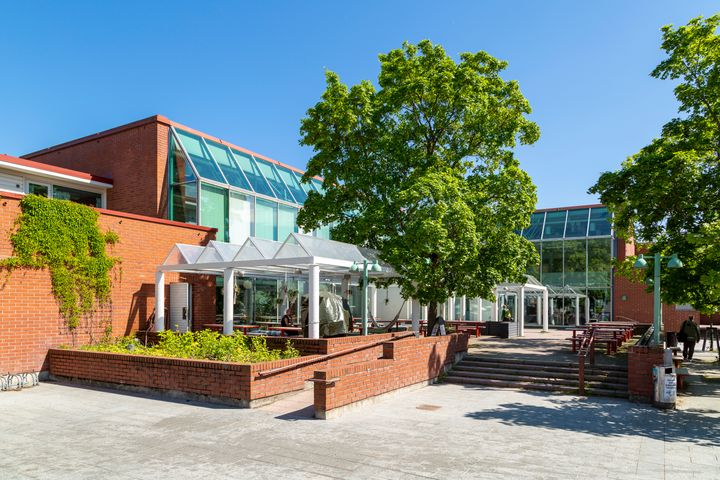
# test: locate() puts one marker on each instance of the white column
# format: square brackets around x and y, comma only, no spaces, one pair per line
[159,301]
[463,307]
[450,309]
[228,300]
[587,310]
[520,298]
[314,301]
[495,308]
[545,305]
[415,314]
[577,310]
[372,296]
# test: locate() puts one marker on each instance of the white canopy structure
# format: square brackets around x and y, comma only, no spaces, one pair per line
[569,292]
[298,254]
[531,287]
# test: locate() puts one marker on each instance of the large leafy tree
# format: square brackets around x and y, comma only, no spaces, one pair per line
[668,194]
[422,169]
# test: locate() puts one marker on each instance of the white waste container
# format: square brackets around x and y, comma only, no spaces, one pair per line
[665,386]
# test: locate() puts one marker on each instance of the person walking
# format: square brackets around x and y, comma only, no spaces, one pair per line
[689,334]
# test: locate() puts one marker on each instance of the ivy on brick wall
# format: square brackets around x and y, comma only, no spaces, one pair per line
[64,237]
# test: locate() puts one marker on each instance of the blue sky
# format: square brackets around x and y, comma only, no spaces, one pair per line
[248,72]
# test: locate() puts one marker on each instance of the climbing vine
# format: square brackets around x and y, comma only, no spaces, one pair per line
[64,237]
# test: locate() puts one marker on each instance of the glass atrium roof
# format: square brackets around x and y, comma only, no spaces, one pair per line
[221,164]
[569,223]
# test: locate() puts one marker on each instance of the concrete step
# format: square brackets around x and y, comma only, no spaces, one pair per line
[511,384]
[536,371]
[514,377]
[541,363]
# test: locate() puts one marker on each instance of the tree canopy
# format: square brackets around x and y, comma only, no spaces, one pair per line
[667,194]
[422,169]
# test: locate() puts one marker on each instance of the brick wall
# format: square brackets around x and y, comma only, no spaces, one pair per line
[243,384]
[404,362]
[135,158]
[30,322]
[641,361]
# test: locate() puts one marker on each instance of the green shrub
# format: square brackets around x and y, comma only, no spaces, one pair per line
[204,345]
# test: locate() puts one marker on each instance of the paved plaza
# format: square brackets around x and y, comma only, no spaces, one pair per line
[58,431]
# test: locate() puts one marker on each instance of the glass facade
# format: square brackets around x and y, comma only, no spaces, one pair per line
[239,193]
[576,250]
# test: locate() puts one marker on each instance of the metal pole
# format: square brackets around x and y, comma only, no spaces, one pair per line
[657,305]
[159,301]
[364,302]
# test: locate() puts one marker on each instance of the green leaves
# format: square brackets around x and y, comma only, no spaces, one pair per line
[666,194]
[423,170]
[64,237]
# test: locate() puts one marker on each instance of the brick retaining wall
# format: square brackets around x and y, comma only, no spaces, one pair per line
[404,362]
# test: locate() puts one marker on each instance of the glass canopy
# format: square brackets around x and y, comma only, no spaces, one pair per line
[221,164]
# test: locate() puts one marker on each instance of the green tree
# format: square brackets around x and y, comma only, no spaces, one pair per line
[422,169]
[667,194]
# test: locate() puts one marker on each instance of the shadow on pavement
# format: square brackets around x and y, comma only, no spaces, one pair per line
[609,419]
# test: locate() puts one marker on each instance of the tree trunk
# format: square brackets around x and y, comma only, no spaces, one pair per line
[432,316]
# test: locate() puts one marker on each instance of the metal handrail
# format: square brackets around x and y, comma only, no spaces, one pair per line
[328,356]
[586,346]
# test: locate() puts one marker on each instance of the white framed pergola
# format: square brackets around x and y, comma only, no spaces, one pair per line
[531,287]
[298,254]
[569,292]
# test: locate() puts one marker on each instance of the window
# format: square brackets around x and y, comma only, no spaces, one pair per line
[599,262]
[266,219]
[554,224]
[180,169]
[200,157]
[78,196]
[39,189]
[577,222]
[323,232]
[575,257]
[552,263]
[534,269]
[183,203]
[214,209]
[287,221]
[240,217]
[227,164]
[281,191]
[599,222]
[292,183]
[252,173]
[534,231]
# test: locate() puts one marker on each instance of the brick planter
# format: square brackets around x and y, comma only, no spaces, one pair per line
[641,361]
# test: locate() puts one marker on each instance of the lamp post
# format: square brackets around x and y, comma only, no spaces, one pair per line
[674,262]
[364,269]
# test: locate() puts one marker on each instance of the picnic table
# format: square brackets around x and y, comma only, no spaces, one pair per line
[243,328]
[284,331]
[612,335]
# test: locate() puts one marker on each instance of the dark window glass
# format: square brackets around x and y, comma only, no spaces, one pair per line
[534,231]
[184,203]
[253,174]
[554,224]
[575,257]
[599,222]
[77,196]
[552,263]
[600,304]
[534,269]
[307,187]
[599,262]
[40,190]
[577,222]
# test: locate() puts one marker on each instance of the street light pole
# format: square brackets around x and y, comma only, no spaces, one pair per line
[674,262]
[366,267]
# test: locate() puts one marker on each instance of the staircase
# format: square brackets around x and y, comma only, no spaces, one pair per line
[561,377]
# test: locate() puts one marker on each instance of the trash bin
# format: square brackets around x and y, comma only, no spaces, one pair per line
[665,386]
[671,339]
